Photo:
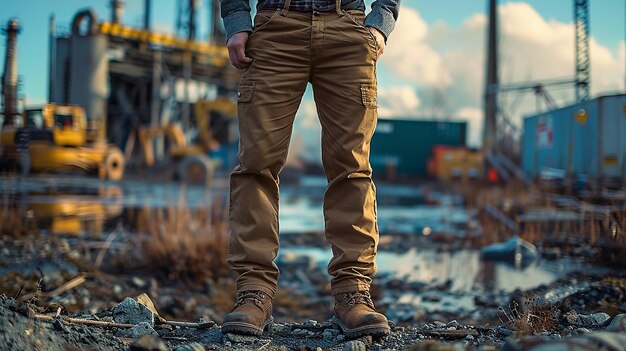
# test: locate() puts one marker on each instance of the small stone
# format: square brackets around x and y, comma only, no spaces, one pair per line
[132,312]
[242,339]
[138,282]
[601,318]
[355,345]
[453,324]
[504,331]
[117,289]
[341,337]
[439,324]
[194,346]
[148,343]
[141,329]
[330,334]
[279,328]
[469,337]
[618,324]
[311,323]
[582,331]
[58,325]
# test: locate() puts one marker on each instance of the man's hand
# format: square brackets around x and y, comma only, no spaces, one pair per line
[236,50]
[380,40]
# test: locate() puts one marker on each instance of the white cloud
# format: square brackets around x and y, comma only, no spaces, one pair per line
[446,63]
[438,71]
[410,56]
[398,101]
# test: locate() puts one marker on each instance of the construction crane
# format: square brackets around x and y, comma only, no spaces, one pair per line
[583,61]
[581,80]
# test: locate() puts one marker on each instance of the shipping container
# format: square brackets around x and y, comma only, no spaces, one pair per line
[587,138]
[401,147]
[455,163]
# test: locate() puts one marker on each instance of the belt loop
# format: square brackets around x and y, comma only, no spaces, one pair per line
[338,8]
[286,7]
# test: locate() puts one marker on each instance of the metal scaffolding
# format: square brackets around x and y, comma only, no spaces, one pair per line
[583,61]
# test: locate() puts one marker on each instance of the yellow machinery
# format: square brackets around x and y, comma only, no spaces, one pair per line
[61,139]
[193,165]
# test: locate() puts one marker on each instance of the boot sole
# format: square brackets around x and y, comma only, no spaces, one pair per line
[246,328]
[371,330]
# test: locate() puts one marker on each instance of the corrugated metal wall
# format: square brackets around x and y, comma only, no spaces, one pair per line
[405,145]
[596,141]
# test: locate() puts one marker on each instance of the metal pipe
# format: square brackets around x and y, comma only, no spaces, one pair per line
[146,14]
[491,96]
[9,77]
[51,59]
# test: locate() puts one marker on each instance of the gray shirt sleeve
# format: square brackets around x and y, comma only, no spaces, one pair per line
[383,16]
[236,15]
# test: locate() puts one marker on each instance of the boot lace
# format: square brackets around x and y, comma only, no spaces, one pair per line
[359,297]
[255,297]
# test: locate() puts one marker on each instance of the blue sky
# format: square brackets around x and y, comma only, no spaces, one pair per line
[433,63]
[607,24]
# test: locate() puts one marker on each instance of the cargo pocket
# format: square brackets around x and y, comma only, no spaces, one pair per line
[368,95]
[245,91]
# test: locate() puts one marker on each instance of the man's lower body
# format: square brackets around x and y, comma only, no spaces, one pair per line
[337,55]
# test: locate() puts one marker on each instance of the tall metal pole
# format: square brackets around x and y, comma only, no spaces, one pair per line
[51,59]
[9,76]
[583,60]
[491,86]
[146,14]
[192,20]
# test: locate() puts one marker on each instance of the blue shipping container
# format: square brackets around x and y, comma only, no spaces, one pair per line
[587,138]
[405,145]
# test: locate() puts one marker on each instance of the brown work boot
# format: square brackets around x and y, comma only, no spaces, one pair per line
[252,313]
[356,315]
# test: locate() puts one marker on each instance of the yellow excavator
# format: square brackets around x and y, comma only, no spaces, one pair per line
[61,139]
[192,163]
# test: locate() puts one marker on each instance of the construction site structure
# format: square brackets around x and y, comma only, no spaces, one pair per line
[61,139]
[9,75]
[583,59]
[497,124]
[137,79]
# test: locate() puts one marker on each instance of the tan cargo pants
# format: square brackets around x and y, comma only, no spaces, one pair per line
[336,54]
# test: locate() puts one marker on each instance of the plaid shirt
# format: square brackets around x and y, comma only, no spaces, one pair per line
[236,13]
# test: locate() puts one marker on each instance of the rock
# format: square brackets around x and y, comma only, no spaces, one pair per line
[504,331]
[330,334]
[594,320]
[582,331]
[453,324]
[341,337]
[279,328]
[194,346]
[311,324]
[618,324]
[355,345]
[132,312]
[146,301]
[469,337]
[141,329]
[241,339]
[138,282]
[148,343]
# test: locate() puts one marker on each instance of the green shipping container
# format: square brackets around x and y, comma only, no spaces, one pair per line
[406,144]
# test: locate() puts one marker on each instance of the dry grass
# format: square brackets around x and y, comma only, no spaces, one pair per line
[185,243]
[529,317]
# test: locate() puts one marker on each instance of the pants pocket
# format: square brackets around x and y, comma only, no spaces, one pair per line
[369,95]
